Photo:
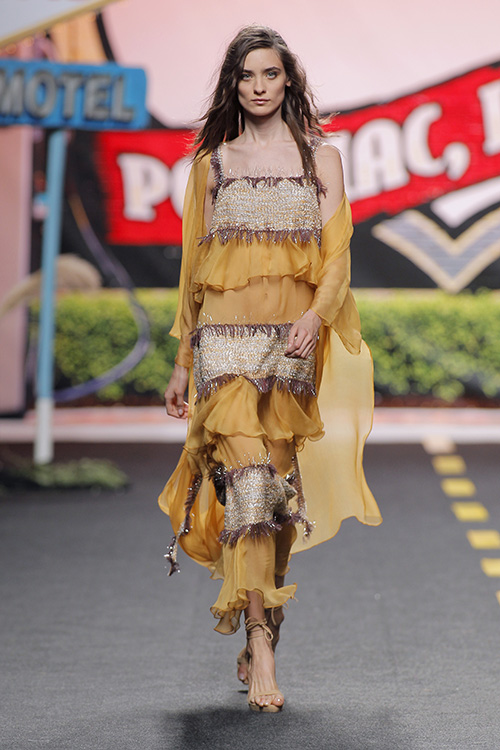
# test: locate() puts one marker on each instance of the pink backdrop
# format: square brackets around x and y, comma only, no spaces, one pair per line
[355,53]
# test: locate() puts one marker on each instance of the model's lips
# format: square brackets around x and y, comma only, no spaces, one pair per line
[260,101]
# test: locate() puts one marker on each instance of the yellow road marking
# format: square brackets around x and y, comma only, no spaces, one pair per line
[498,596]
[491,566]
[470,511]
[449,464]
[458,487]
[484,538]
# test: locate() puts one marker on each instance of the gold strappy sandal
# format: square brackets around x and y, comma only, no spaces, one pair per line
[260,629]
[242,660]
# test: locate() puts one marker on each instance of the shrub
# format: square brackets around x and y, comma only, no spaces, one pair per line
[423,343]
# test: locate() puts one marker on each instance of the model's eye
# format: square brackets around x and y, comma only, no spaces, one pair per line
[272,74]
[245,77]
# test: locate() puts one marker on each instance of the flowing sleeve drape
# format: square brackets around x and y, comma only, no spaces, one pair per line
[192,229]
[333,300]
[332,468]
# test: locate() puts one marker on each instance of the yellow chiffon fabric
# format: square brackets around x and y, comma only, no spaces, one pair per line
[267,282]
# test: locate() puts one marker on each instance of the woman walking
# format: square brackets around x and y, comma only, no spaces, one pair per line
[270,332]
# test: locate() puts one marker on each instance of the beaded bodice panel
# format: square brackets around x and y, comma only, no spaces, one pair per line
[272,208]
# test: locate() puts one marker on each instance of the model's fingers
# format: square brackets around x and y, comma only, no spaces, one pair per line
[303,343]
[292,339]
[180,404]
[307,348]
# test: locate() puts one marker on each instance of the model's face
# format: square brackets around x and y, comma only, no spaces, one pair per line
[261,88]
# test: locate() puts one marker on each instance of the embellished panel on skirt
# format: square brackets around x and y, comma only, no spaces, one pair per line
[222,352]
[258,502]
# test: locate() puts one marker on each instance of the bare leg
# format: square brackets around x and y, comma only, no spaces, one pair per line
[274,618]
[261,672]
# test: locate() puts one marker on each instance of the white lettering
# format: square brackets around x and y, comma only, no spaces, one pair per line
[119,111]
[376,159]
[489,96]
[146,183]
[12,93]
[416,140]
[40,95]
[455,158]
[96,99]
[70,83]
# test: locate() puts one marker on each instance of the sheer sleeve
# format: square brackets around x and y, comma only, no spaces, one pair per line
[333,300]
[192,229]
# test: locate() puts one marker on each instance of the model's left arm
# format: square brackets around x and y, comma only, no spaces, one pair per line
[334,277]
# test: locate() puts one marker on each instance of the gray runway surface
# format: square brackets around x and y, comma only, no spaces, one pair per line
[392,644]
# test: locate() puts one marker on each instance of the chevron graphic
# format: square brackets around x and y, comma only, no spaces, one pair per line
[451,263]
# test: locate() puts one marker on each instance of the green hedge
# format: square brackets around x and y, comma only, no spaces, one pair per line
[423,343]
[431,343]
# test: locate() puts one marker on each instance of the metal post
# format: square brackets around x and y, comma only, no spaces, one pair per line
[44,446]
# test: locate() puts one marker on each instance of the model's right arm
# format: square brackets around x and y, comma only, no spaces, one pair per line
[197,209]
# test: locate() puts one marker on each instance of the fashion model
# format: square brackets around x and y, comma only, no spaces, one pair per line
[280,381]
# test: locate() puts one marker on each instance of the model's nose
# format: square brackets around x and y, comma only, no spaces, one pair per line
[260,86]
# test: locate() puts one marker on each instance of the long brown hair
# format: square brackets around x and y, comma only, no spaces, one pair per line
[224,118]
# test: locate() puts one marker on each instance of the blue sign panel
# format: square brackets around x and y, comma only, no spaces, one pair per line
[87,97]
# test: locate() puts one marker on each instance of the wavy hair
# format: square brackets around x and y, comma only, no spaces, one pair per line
[224,119]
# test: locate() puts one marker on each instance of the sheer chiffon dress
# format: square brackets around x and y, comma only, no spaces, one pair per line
[274,443]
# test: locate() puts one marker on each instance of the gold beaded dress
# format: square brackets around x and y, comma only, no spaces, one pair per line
[274,443]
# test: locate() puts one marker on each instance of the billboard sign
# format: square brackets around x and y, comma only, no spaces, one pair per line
[88,97]
[421,172]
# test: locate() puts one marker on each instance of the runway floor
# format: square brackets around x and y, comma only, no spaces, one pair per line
[392,644]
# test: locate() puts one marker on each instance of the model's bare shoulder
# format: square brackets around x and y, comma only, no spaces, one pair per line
[330,172]
[329,163]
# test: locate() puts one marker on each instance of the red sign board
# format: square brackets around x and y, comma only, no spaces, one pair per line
[398,155]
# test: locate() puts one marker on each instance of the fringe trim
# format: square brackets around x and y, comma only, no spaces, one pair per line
[263,385]
[280,330]
[290,519]
[233,474]
[295,480]
[242,233]
[185,527]
[270,180]
[216,164]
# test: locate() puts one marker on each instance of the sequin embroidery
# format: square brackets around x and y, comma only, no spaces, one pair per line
[256,497]
[223,352]
[267,207]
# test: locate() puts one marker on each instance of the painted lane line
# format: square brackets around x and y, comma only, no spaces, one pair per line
[451,464]
[491,566]
[484,538]
[458,487]
[470,511]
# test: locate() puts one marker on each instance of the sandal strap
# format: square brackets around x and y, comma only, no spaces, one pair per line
[256,628]
[273,615]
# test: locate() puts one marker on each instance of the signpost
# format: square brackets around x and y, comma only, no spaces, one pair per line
[61,97]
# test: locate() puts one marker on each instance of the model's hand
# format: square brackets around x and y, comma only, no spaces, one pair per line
[174,395]
[303,335]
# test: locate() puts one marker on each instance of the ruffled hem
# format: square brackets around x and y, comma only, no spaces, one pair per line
[239,408]
[228,612]
[233,264]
